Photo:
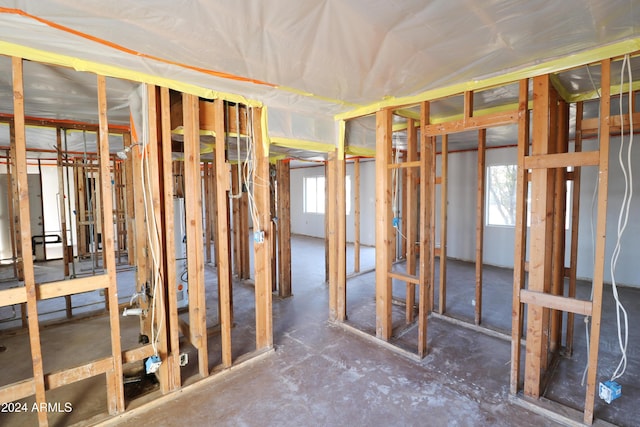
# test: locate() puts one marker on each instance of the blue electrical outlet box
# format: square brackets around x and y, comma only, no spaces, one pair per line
[396,222]
[152,364]
[609,391]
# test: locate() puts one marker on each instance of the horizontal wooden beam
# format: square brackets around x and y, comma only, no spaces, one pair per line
[79,373]
[63,124]
[136,354]
[16,391]
[562,160]
[592,125]
[70,287]
[556,302]
[404,277]
[13,296]
[415,164]
[473,123]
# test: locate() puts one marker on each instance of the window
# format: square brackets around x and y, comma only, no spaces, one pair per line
[314,196]
[501,195]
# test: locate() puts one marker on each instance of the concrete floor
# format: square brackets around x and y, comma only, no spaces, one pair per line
[323,374]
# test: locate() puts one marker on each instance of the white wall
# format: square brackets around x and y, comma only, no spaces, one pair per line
[498,240]
[309,224]
[627,271]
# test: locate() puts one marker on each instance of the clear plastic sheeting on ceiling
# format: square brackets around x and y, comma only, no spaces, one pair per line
[305,60]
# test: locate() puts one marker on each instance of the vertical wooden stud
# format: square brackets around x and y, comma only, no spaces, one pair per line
[427,184]
[575,222]
[19,146]
[284,227]
[384,326]
[116,388]
[262,251]
[129,201]
[193,214]
[541,238]
[442,304]
[223,185]
[172,331]
[598,269]
[411,217]
[235,218]
[480,191]
[356,215]
[559,222]
[207,210]
[521,234]
[332,232]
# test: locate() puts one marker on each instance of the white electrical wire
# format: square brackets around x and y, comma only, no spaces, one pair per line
[238,157]
[249,170]
[396,190]
[151,225]
[623,218]
[154,246]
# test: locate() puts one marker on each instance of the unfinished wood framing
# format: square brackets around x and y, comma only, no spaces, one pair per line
[427,190]
[544,295]
[411,217]
[18,145]
[575,218]
[193,216]
[600,238]
[560,197]
[208,211]
[326,227]
[129,202]
[336,214]
[262,251]
[480,192]
[540,260]
[223,186]
[115,387]
[442,304]
[171,372]
[14,225]
[356,215]
[283,204]
[240,214]
[521,234]
[384,231]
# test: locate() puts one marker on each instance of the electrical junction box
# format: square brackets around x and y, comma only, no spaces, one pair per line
[152,364]
[609,391]
[396,222]
[258,237]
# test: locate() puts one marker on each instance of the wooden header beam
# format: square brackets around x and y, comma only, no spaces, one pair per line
[473,123]
[64,124]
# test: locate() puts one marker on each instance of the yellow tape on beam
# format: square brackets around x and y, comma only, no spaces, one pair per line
[553,66]
[409,114]
[266,141]
[301,144]
[341,136]
[273,159]
[11,49]
[615,90]
[179,130]
[360,151]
